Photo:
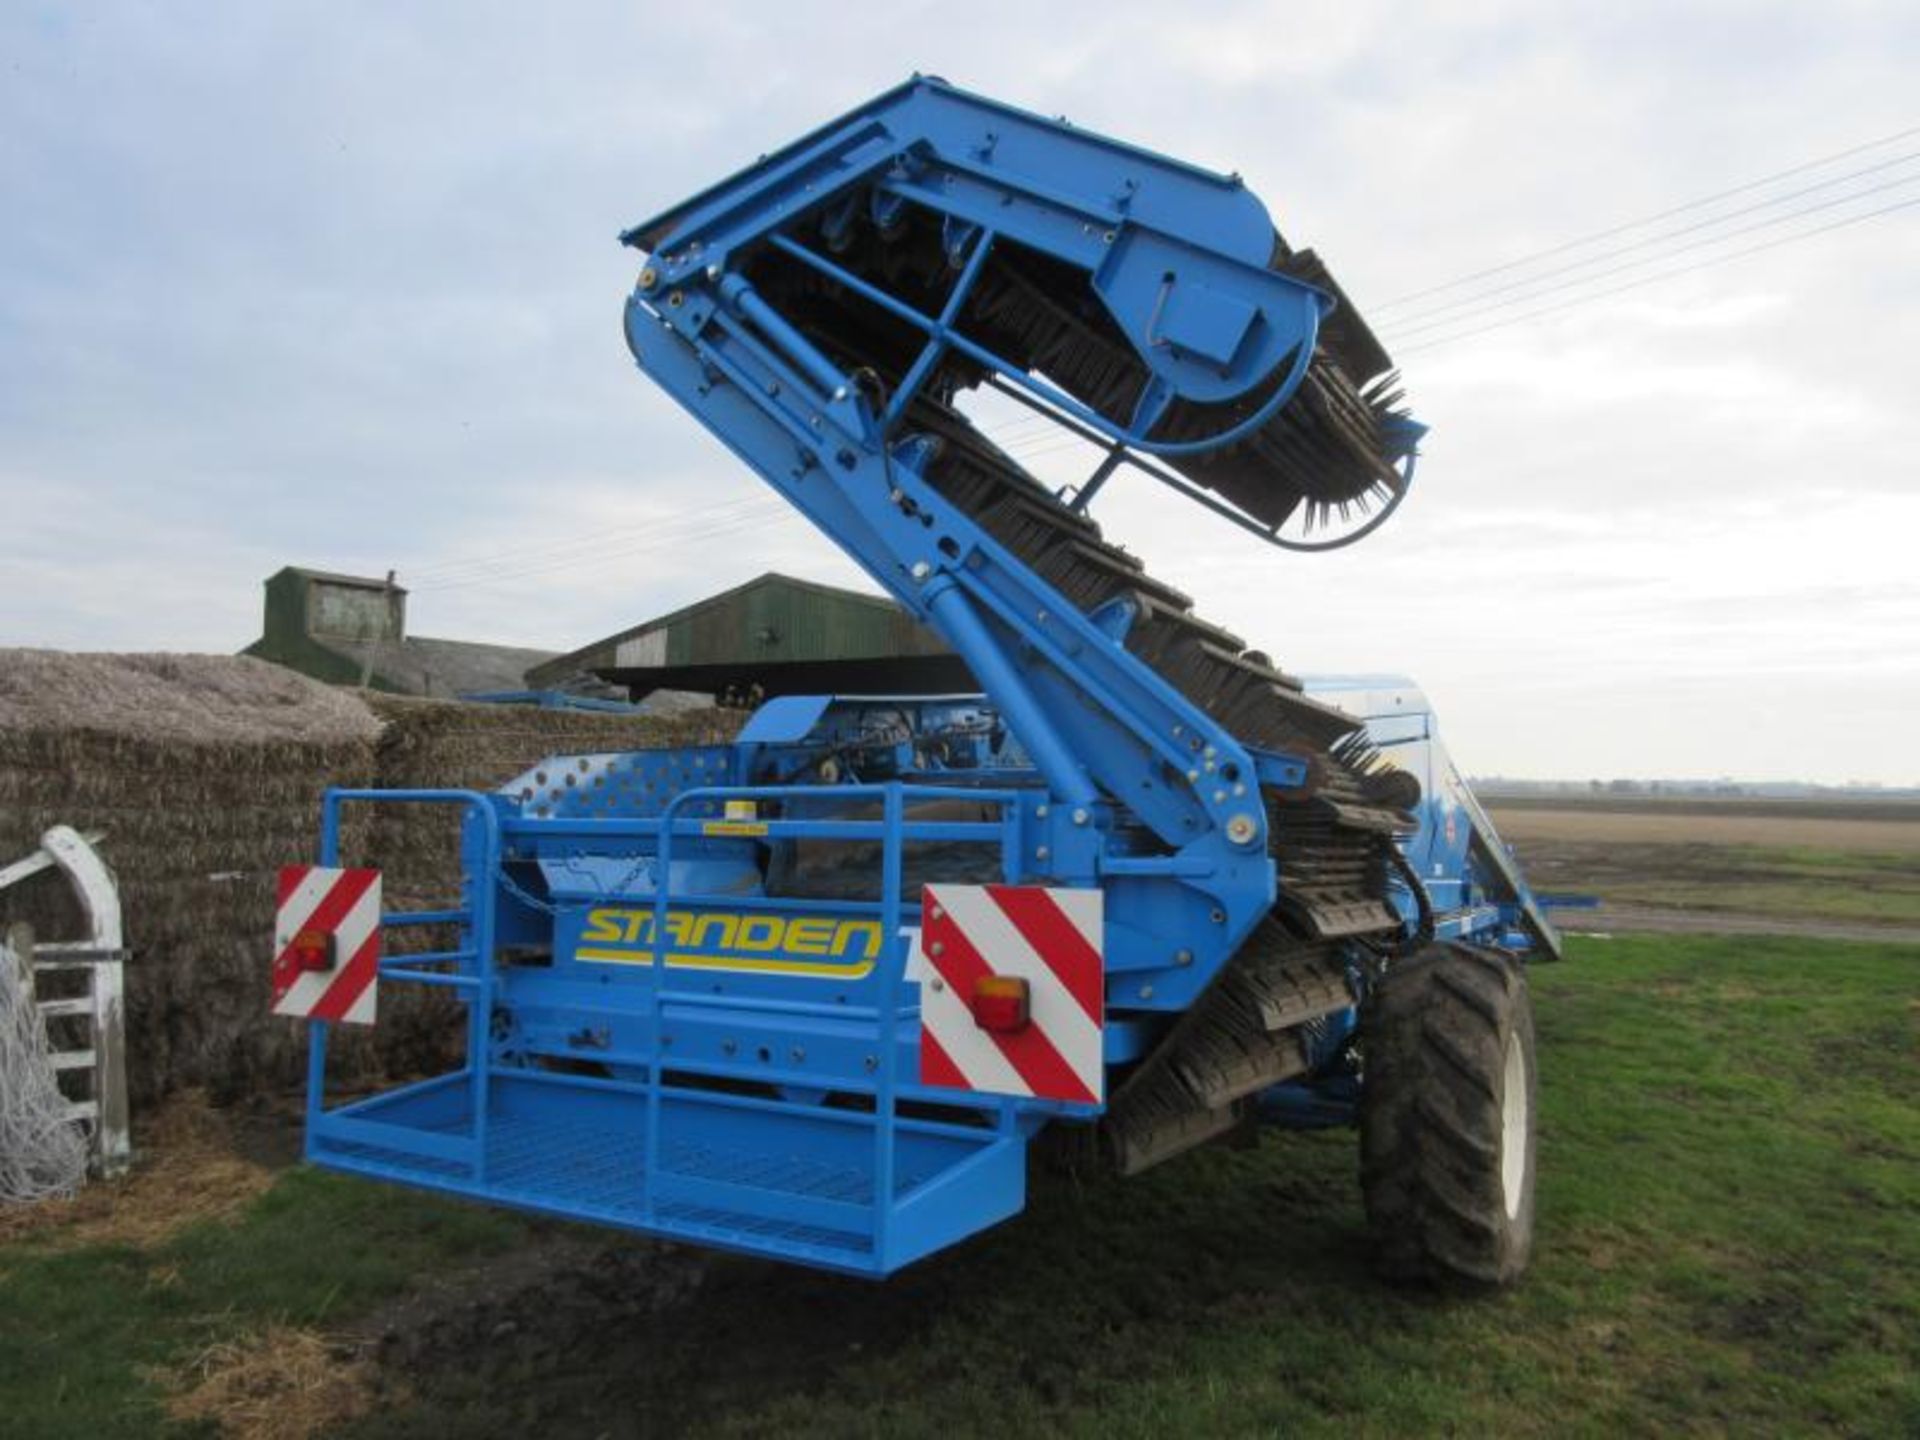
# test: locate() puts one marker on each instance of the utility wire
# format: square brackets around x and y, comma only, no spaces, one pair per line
[652,545]
[658,540]
[1479,296]
[1707,264]
[1566,285]
[1027,437]
[1609,233]
[462,566]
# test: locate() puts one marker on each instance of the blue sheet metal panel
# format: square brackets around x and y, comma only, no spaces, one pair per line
[1102,179]
[622,783]
[785,719]
[1204,322]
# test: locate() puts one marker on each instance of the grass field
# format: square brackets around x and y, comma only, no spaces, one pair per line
[1728,1243]
[1727,858]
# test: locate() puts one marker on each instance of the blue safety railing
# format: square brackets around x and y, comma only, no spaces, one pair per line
[474,955]
[452,1148]
[894,831]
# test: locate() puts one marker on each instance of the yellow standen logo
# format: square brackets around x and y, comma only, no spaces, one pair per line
[720,940]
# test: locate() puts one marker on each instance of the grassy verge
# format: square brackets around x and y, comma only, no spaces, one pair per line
[84,1328]
[1730,1179]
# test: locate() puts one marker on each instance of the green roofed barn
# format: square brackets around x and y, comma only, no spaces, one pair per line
[771,636]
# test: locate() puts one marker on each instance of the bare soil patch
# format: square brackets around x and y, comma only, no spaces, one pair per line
[1879,836]
[1666,870]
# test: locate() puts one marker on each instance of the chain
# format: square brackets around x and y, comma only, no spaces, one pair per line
[523,895]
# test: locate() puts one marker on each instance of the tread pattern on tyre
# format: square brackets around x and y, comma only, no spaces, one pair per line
[1434,1033]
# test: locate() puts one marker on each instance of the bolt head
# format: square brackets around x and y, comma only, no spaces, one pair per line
[1079,817]
[1241,828]
[921,570]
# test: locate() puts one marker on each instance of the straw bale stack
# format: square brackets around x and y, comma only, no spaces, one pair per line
[446,745]
[205,774]
[437,744]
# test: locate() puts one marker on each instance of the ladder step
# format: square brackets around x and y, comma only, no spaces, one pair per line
[74,1059]
[80,1110]
[79,1005]
[72,950]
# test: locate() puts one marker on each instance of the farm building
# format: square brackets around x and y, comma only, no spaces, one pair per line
[352,630]
[771,636]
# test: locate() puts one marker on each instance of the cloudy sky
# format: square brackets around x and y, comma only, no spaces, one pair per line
[338,285]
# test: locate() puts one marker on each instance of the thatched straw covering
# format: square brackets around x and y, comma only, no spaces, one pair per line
[198,699]
[206,773]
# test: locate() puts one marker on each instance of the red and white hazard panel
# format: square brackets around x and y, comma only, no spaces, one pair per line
[326,944]
[1011,991]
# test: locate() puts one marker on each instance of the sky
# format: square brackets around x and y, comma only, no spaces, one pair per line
[339,285]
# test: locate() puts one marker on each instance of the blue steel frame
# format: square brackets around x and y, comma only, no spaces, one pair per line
[1133,787]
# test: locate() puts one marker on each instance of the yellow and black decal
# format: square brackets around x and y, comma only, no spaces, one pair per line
[837,946]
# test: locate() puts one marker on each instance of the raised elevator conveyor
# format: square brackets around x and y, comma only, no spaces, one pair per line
[1299,424]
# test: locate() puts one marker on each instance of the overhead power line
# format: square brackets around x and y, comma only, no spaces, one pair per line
[1574,284]
[460,566]
[1593,237]
[568,549]
[657,539]
[1712,221]
[1708,264]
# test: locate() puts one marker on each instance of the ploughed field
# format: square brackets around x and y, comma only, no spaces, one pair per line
[1839,869]
[1730,1167]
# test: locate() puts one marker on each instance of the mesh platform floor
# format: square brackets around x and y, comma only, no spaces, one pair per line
[598,1172]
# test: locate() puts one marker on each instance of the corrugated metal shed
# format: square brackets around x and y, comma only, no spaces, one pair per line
[772,636]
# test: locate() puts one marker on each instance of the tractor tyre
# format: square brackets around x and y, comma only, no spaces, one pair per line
[1447,1106]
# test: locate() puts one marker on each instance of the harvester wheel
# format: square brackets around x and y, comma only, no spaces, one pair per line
[1447,1118]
